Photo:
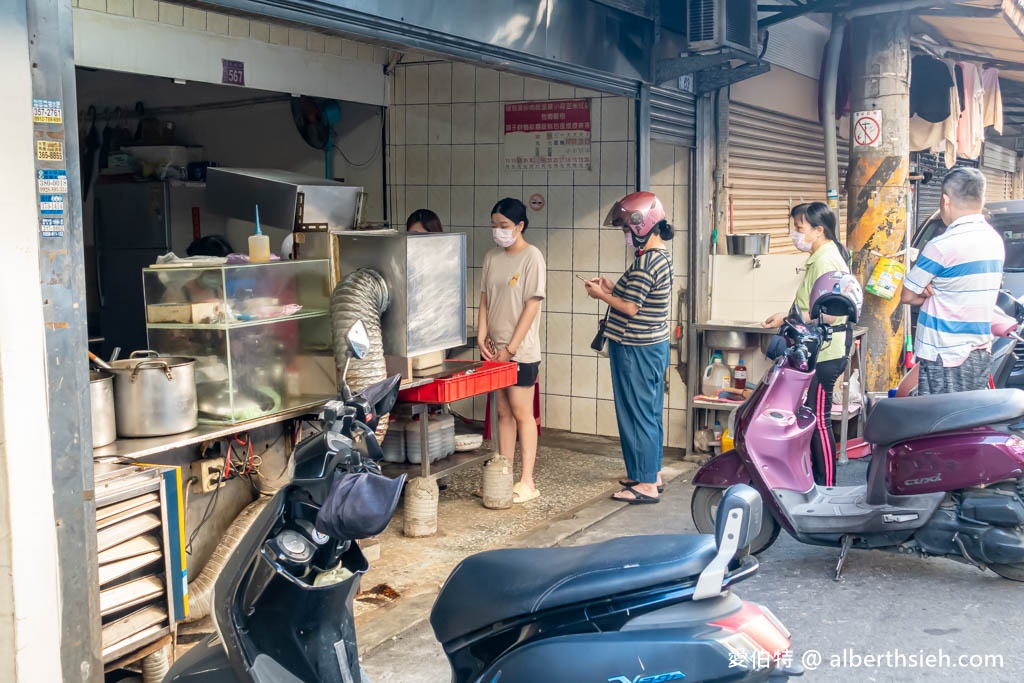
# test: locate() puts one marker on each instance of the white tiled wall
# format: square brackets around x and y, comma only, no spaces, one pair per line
[445,143]
[175,14]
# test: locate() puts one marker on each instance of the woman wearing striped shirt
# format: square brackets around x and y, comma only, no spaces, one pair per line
[638,341]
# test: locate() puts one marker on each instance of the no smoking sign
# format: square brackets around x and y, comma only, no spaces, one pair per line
[867,128]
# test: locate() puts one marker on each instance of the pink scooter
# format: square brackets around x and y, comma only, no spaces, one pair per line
[946,476]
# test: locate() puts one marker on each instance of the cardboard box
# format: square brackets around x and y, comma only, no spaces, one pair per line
[428,360]
[169,313]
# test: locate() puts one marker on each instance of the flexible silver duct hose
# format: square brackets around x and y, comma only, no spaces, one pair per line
[155,666]
[362,295]
[200,591]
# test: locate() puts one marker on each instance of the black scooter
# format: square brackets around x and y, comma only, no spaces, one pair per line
[643,609]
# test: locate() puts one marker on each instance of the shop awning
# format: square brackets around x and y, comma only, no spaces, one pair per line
[991,30]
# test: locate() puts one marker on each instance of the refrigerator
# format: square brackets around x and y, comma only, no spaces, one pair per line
[134,223]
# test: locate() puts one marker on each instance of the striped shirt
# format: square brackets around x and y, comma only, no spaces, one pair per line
[648,284]
[964,266]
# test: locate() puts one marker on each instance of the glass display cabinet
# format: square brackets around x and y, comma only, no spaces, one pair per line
[260,334]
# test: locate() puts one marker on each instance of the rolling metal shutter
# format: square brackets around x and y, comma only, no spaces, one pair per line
[998,164]
[777,161]
[928,194]
[673,117]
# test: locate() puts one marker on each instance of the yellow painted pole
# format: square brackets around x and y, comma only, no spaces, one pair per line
[877,179]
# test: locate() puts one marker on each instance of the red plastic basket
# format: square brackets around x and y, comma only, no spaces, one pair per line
[493,375]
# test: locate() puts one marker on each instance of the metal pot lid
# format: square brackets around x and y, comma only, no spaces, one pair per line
[172,362]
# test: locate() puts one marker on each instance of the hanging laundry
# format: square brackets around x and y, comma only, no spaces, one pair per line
[993,102]
[958,74]
[971,128]
[947,146]
[925,135]
[930,82]
[939,138]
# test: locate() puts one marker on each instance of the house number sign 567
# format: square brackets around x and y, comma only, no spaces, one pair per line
[233,72]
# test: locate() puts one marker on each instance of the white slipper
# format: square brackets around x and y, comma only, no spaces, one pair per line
[522,494]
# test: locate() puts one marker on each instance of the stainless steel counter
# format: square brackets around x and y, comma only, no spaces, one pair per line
[137,449]
[735,326]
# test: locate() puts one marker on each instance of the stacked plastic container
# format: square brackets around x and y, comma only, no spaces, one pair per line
[402,443]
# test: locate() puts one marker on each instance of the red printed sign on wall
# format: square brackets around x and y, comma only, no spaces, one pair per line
[547,136]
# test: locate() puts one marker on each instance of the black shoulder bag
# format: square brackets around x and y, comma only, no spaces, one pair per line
[599,339]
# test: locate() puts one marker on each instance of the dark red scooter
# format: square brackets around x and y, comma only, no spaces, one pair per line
[946,476]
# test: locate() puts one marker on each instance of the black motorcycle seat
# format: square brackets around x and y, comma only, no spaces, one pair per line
[496,585]
[898,419]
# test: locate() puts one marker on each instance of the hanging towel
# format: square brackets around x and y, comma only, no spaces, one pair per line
[971,129]
[930,82]
[925,135]
[993,102]
[958,75]
[946,145]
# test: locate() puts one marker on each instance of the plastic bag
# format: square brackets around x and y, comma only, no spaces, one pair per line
[856,397]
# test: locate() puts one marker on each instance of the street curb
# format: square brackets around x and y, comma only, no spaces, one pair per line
[411,611]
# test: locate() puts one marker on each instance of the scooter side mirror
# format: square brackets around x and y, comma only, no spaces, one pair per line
[737,523]
[358,340]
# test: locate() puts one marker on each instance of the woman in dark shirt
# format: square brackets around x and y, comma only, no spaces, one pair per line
[638,341]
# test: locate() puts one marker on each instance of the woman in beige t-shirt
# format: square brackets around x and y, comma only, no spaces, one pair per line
[511,292]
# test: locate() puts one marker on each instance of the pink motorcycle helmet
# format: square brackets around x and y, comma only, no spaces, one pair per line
[639,212]
[837,293]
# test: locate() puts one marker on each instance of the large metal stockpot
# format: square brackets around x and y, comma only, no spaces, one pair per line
[155,395]
[748,244]
[101,401]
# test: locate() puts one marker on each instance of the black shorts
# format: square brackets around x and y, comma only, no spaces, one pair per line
[528,374]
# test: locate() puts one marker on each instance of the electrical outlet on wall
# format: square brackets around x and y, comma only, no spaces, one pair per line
[207,473]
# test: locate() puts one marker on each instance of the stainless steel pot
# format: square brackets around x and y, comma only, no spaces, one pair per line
[748,244]
[101,401]
[728,340]
[155,395]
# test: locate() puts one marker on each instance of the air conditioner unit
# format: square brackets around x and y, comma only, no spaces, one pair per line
[716,24]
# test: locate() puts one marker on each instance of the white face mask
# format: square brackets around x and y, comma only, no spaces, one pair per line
[800,242]
[504,237]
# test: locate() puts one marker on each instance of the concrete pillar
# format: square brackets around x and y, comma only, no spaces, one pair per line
[878,185]
[30,625]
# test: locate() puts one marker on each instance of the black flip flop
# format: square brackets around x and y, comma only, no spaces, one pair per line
[630,484]
[638,499]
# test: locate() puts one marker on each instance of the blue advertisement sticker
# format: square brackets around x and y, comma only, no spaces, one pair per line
[51,204]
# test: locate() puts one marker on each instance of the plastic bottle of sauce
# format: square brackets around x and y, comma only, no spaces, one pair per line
[739,376]
[259,244]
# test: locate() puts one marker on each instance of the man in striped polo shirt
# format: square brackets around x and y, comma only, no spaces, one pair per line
[955,281]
